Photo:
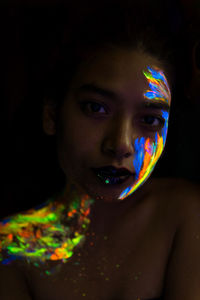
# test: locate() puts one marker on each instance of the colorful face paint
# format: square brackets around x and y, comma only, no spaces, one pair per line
[47,233]
[159,89]
[148,151]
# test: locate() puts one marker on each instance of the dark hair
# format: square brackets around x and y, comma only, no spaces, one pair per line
[151,26]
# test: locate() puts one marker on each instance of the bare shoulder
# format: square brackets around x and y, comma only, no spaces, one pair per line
[181,190]
[176,187]
[10,272]
[175,183]
[13,283]
[183,268]
[178,193]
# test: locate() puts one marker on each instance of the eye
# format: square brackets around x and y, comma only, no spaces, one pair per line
[95,107]
[153,122]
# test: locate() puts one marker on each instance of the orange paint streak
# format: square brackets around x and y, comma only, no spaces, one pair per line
[87,212]
[26,234]
[71,213]
[38,233]
[147,159]
[160,147]
[54,257]
[10,237]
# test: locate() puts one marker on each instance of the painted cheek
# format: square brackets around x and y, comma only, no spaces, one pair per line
[147,153]
[151,151]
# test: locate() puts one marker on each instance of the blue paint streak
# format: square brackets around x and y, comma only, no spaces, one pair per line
[165,115]
[5,221]
[8,261]
[150,95]
[156,75]
[153,86]
[139,155]
[125,192]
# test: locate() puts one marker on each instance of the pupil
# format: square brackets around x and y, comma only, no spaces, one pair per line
[149,119]
[95,106]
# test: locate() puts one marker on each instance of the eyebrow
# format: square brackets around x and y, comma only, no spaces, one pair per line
[114,97]
[156,105]
[98,90]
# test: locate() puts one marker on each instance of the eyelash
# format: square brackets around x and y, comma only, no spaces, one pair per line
[161,120]
[84,104]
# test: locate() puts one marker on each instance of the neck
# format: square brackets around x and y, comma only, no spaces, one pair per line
[102,214]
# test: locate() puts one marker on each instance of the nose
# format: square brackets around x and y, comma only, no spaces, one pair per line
[119,143]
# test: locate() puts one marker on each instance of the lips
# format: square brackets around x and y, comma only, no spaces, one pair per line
[112,171]
[112,178]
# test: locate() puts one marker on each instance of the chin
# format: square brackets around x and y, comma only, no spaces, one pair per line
[101,195]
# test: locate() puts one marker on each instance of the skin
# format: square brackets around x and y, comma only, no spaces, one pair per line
[87,139]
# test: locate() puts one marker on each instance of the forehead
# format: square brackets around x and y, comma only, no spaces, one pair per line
[120,70]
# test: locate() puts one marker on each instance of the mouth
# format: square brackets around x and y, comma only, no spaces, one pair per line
[112,177]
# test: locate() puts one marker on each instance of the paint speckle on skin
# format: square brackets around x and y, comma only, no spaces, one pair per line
[74,280]
[135,276]
[47,272]
[107,279]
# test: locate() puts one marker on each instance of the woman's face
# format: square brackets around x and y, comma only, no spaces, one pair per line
[115,113]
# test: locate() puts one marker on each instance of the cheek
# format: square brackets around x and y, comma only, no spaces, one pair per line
[78,132]
[147,153]
[75,145]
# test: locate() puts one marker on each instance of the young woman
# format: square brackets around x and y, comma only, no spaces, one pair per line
[112,232]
